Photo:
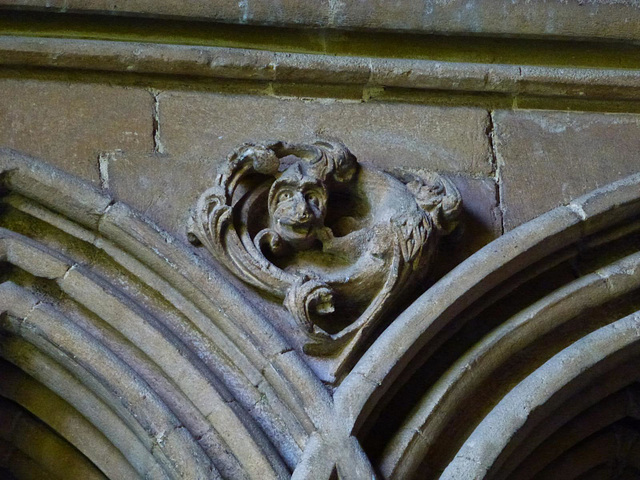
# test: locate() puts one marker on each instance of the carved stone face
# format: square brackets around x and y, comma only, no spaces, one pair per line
[297,207]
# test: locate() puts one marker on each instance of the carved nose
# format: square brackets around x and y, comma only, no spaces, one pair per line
[302,209]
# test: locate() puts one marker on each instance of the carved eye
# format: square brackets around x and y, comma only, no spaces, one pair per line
[284,196]
[313,198]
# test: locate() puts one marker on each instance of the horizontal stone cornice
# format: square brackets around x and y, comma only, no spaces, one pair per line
[366,72]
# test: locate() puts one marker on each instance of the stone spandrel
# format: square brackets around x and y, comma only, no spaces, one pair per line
[549,158]
[196,132]
[335,240]
[384,134]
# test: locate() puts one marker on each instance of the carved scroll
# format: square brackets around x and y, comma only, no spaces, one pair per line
[333,239]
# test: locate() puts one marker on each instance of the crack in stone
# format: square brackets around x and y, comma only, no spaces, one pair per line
[496,168]
[31,310]
[158,146]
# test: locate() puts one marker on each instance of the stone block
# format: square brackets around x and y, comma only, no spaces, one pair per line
[153,185]
[70,124]
[162,187]
[309,68]
[380,14]
[198,131]
[224,9]
[550,158]
[286,12]
[480,221]
[209,126]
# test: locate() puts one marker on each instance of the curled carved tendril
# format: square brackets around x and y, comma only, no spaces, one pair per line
[403,240]
[210,217]
[307,297]
[270,239]
[219,218]
[264,160]
[214,202]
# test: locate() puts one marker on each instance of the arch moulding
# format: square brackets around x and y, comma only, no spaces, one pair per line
[319,241]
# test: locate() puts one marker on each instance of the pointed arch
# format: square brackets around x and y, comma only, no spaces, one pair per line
[115,306]
[150,352]
[417,395]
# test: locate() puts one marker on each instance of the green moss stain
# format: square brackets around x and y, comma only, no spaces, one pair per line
[323,93]
[533,52]
[321,41]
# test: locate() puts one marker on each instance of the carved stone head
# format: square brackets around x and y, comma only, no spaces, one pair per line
[298,206]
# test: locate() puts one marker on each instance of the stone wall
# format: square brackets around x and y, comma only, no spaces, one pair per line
[525,107]
[157,148]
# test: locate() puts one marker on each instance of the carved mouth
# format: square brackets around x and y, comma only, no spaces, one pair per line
[300,230]
[297,227]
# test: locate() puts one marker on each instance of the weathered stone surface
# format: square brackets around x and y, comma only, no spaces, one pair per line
[43,445]
[223,9]
[286,12]
[381,15]
[184,370]
[612,78]
[544,389]
[162,187]
[337,241]
[71,124]
[601,19]
[182,338]
[549,158]
[209,126]
[480,221]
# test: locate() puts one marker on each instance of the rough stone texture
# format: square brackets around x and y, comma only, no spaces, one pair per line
[198,130]
[160,299]
[386,135]
[549,158]
[286,12]
[71,124]
[480,221]
[600,19]
[184,369]
[151,184]
[599,74]
[323,205]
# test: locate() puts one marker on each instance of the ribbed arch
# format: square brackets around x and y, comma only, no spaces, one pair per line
[108,377]
[438,371]
[616,446]
[107,451]
[522,355]
[143,347]
[98,294]
[579,418]
[535,397]
[436,410]
[61,383]
[29,448]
